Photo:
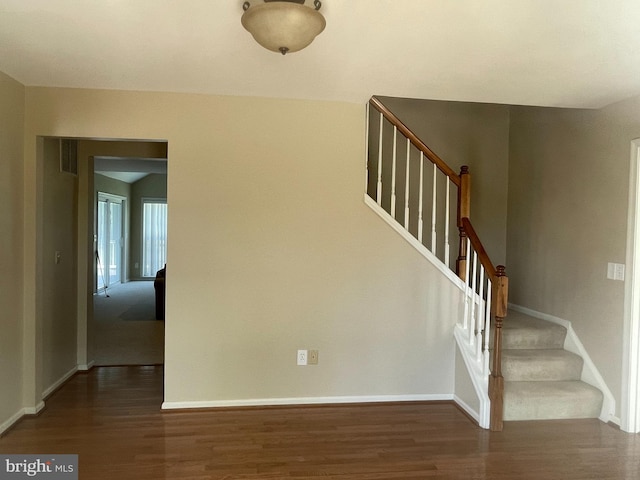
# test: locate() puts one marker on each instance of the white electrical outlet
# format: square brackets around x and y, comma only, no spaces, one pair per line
[302,357]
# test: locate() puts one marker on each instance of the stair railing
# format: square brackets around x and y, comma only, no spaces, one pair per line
[401,185]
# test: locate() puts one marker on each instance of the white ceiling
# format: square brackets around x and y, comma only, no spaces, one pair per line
[574,53]
[129,169]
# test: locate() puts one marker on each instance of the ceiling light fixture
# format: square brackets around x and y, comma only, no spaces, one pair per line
[284,26]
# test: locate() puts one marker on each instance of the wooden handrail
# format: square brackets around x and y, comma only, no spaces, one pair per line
[419,144]
[479,248]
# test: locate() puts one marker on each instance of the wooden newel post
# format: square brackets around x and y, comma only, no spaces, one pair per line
[500,296]
[464,210]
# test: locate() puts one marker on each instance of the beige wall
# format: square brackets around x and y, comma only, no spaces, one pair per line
[568,194]
[59,322]
[11,249]
[473,134]
[151,186]
[271,248]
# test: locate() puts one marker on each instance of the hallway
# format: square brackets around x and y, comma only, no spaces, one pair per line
[126,331]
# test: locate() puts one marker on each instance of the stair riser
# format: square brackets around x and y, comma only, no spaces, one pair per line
[557,366]
[549,410]
[551,400]
[512,339]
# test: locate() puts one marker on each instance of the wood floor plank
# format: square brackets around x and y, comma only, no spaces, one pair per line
[111,418]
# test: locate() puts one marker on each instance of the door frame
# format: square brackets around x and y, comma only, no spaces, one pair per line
[123,241]
[630,405]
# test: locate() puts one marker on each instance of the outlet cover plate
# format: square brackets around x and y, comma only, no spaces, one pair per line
[313,357]
[302,357]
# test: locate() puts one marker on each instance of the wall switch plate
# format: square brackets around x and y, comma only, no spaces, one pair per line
[615,271]
[619,274]
[302,357]
[58,258]
[313,357]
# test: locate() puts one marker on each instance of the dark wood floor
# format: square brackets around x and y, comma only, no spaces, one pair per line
[111,417]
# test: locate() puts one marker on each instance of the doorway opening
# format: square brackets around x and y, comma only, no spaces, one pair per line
[127,329]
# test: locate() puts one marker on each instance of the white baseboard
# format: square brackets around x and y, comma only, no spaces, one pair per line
[59,382]
[590,373]
[38,408]
[34,410]
[465,406]
[6,425]
[87,367]
[262,402]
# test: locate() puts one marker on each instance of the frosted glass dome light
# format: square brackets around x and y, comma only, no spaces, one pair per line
[283,26]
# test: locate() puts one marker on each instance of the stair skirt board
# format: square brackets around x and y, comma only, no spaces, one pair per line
[590,377]
[419,247]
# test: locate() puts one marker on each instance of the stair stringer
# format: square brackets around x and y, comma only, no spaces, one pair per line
[590,373]
[477,369]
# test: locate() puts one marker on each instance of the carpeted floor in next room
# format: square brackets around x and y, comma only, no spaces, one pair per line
[126,331]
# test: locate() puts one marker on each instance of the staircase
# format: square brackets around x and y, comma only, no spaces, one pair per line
[542,380]
[521,374]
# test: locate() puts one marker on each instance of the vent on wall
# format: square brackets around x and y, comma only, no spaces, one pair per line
[69,156]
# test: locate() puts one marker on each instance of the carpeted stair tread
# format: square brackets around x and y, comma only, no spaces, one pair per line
[522,331]
[541,365]
[551,400]
[542,380]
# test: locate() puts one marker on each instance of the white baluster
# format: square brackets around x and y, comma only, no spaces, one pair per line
[481,311]
[446,226]
[472,325]
[487,328]
[420,223]
[487,316]
[433,213]
[379,187]
[467,288]
[393,172]
[406,188]
[366,149]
